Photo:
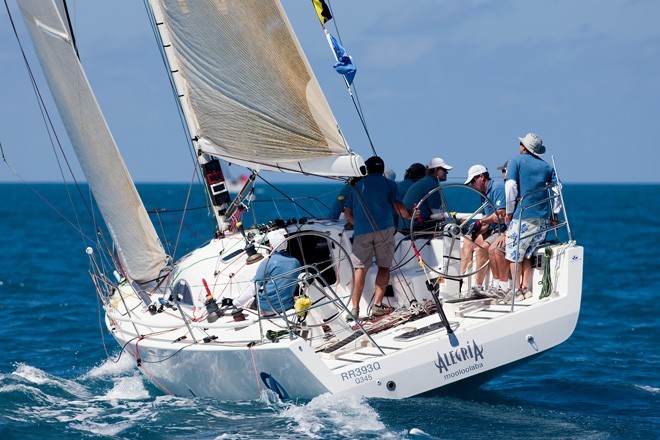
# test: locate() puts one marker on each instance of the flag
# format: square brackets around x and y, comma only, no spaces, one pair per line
[344,64]
[322,11]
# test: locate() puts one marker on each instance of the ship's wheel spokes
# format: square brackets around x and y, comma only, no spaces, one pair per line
[327,273]
[456,210]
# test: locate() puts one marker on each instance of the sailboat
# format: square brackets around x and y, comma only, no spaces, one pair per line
[249,97]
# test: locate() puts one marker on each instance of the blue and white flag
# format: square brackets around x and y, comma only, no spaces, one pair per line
[344,64]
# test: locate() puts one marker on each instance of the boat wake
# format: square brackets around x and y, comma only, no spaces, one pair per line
[337,416]
[98,403]
[113,399]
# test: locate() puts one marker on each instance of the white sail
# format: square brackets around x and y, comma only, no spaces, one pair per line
[246,88]
[138,246]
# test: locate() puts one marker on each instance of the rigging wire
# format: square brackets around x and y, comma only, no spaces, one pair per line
[161,50]
[283,194]
[353,91]
[186,130]
[183,215]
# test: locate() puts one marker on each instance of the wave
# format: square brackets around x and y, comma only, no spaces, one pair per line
[30,395]
[650,389]
[341,416]
[44,380]
[110,368]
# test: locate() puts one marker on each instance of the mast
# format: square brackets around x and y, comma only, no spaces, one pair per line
[210,167]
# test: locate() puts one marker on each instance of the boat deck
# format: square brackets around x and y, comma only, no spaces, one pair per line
[358,347]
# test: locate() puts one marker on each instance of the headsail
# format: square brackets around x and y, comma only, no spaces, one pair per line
[246,88]
[133,234]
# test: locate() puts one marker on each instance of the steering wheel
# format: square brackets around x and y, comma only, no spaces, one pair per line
[325,276]
[446,224]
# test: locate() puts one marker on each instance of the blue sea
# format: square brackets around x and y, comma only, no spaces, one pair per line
[60,378]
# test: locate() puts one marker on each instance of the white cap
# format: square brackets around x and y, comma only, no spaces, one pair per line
[277,239]
[437,162]
[474,171]
[533,143]
[389,174]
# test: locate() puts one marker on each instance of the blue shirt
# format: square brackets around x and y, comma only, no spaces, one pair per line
[402,188]
[338,207]
[496,194]
[277,294]
[418,190]
[531,173]
[371,201]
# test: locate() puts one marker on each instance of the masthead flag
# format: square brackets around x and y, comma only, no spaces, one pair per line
[344,64]
[322,11]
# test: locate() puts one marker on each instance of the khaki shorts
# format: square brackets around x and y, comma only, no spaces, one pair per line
[493,238]
[379,243]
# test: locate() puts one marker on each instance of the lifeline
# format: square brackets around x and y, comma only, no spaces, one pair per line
[461,354]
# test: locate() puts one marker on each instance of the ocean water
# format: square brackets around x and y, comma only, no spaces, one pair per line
[60,375]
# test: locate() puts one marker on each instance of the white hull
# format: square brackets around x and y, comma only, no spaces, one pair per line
[237,106]
[486,336]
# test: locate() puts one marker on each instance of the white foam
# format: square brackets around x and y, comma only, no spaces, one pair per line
[105,429]
[348,416]
[269,398]
[128,388]
[32,374]
[51,400]
[40,377]
[648,388]
[416,432]
[109,368]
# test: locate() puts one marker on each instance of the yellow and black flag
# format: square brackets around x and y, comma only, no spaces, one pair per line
[322,11]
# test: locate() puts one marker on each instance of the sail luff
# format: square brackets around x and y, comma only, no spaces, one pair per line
[132,232]
[246,88]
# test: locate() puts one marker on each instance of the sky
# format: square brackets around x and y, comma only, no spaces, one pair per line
[459,80]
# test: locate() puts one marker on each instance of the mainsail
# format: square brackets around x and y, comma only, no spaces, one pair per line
[133,234]
[246,88]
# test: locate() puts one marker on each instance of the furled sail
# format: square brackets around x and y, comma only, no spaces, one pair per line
[133,234]
[246,88]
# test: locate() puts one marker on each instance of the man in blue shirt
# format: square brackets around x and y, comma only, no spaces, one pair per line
[414,172]
[337,208]
[486,229]
[370,208]
[277,277]
[436,172]
[526,177]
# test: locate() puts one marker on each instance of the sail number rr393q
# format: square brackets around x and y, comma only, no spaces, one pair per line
[361,374]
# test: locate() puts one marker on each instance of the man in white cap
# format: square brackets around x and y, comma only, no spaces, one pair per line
[436,172]
[526,177]
[487,230]
[276,278]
